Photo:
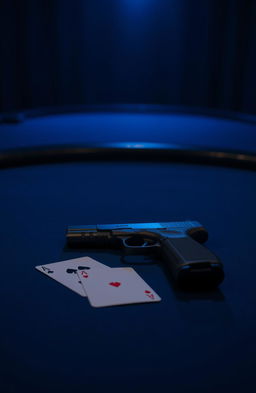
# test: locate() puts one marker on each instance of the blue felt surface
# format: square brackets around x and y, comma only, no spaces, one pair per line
[51,340]
[54,341]
[114,127]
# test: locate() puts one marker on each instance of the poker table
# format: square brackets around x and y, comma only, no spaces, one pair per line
[125,165]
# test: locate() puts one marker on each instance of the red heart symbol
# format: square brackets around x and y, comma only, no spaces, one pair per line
[149,294]
[115,284]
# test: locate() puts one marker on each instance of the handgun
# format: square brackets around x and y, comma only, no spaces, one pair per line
[179,245]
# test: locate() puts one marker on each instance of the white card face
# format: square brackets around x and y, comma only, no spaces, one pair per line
[116,286]
[65,272]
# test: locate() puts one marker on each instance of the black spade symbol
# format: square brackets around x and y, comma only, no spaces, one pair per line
[83,268]
[71,271]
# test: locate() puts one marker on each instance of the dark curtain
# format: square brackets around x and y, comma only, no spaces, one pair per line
[181,52]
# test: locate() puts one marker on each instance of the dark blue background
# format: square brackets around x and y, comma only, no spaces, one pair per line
[181,52]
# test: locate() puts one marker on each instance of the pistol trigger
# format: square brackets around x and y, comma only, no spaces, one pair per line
[139,242]
[124,242]
[134,241]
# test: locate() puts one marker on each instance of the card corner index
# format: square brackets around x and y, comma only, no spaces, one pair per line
[38,267]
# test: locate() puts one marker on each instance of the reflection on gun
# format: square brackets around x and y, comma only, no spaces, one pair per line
[190,263]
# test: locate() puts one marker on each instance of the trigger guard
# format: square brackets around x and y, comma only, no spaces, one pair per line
[138,241]
[132,246]
[142,249]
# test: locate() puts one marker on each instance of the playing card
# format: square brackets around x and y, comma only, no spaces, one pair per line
[116,286]
[65,272]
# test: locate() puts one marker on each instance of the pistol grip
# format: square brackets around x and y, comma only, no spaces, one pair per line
[191,264]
